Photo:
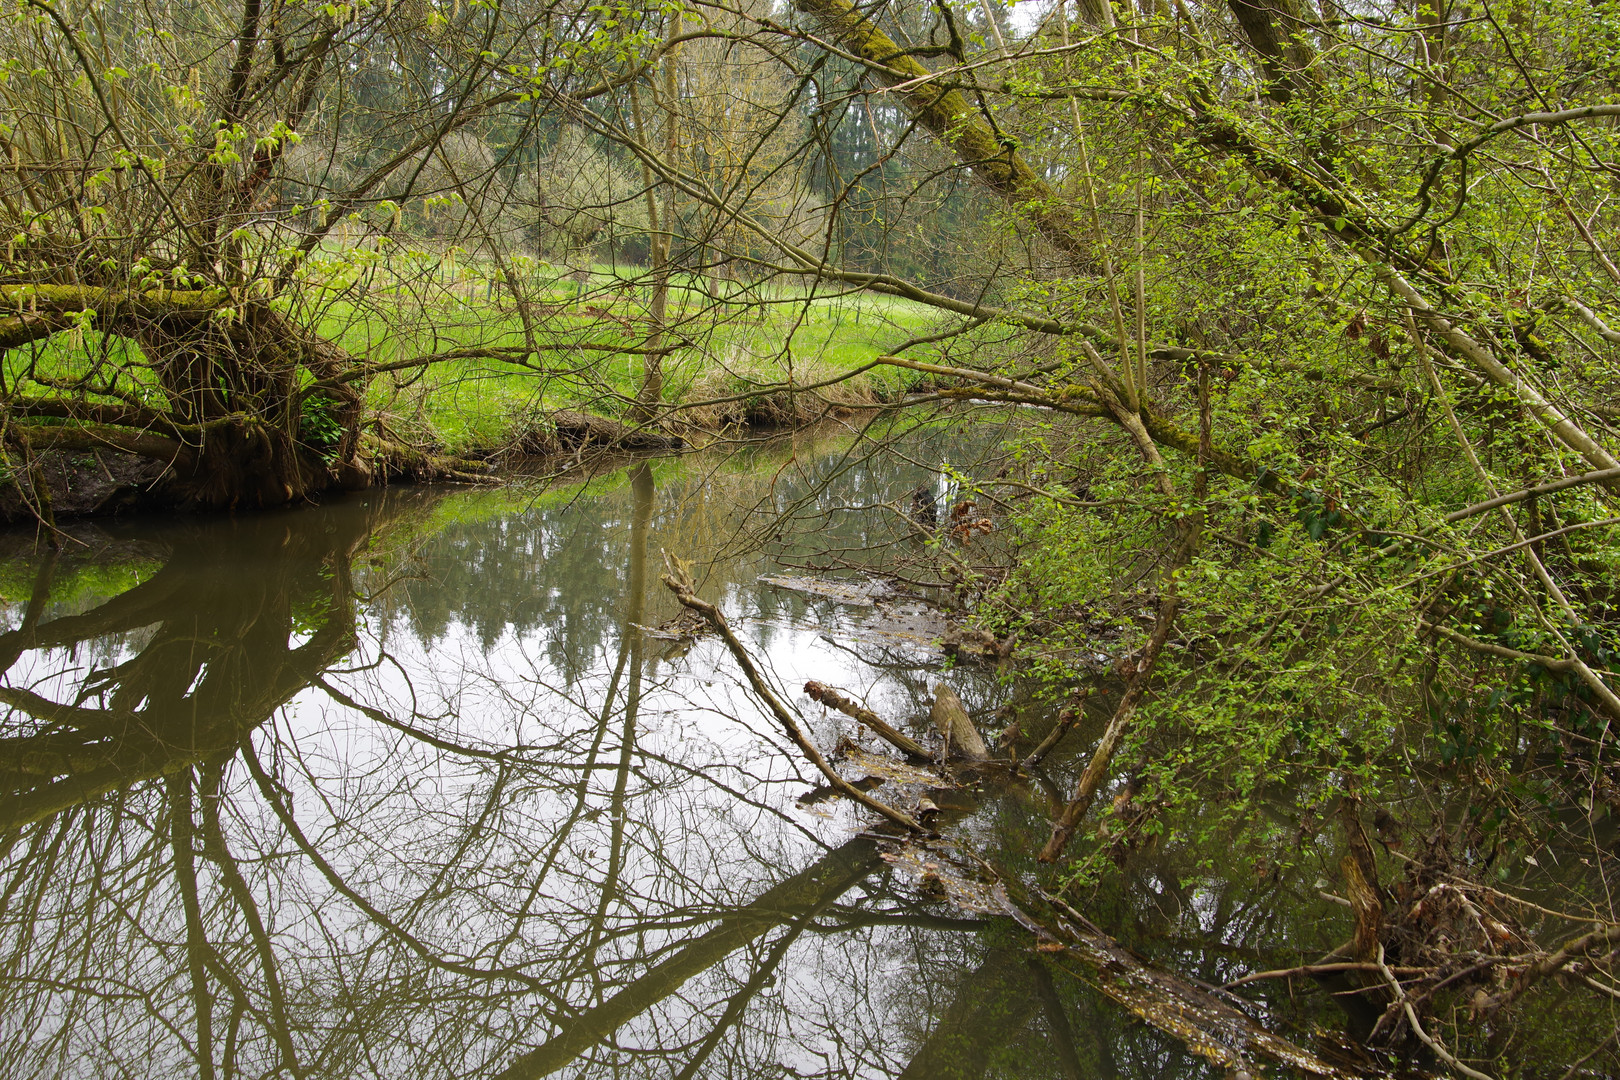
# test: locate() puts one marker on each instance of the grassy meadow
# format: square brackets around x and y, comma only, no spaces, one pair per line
[729,344]
[586,331]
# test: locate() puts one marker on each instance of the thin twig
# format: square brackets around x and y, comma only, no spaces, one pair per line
[1320,969]
[1596,1050]
[1417,1029]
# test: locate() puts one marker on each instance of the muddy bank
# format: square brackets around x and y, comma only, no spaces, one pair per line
[56,486]
[64,485]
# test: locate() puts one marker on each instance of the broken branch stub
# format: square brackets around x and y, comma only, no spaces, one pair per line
[950,716]
[1361,883]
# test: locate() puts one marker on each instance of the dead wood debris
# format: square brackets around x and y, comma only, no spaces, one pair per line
[1210,1027]
[678,579]
[1433,933]
[1437,942]
[831,698]
[1197,1017]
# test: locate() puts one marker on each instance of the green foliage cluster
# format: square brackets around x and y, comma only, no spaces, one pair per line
[1336,632]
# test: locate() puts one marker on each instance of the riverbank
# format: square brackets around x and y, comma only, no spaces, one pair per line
[62,485]
[463,383]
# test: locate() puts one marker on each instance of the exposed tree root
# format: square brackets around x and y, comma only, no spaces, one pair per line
[576,429]
[392,460]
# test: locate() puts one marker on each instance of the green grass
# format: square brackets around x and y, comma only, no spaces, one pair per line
[735,345]
[735,348]
[74,583]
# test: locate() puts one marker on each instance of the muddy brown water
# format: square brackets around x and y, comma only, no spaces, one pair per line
[393,786]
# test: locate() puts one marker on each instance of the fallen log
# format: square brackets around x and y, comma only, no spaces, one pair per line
[394,460]
[678,579]
[1208,1026]
[1192,1014]
[1205,1024]
[576,430]
[897,739]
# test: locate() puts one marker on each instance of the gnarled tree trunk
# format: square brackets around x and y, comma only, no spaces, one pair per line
[261,439]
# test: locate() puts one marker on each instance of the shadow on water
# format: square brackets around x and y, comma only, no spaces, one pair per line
[396,786]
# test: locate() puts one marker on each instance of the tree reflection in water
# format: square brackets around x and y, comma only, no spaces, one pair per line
[355,792]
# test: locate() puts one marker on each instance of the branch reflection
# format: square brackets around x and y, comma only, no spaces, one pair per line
[311,795]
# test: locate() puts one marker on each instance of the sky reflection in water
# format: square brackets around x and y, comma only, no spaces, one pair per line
[393,787]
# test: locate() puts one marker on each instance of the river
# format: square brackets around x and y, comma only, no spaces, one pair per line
[397,786]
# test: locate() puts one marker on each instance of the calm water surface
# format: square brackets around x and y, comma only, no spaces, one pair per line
[395,787]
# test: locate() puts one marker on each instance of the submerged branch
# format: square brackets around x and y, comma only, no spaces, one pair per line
[1190,1013]
[1097,768]
[679,581]
[898,739]
[1067,718]
[1417,1028]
